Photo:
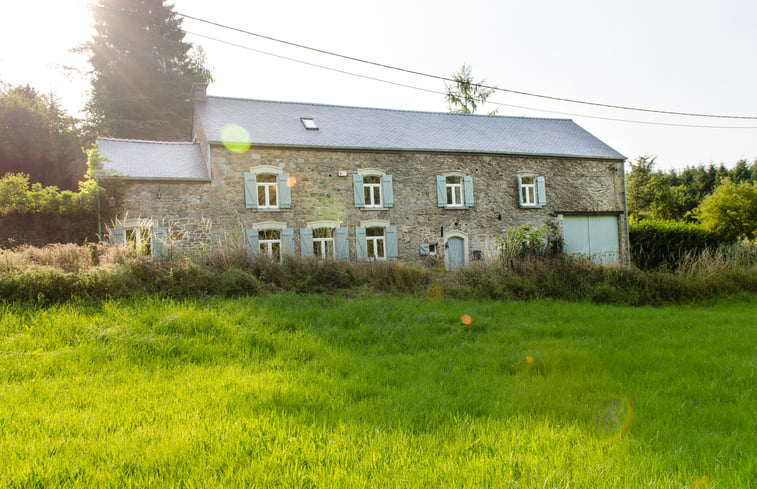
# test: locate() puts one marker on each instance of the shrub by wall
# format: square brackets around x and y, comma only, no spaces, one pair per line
[656,244]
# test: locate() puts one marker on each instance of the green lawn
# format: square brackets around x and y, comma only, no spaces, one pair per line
[314,391]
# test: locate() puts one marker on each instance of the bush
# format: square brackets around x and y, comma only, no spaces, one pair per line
[662,244]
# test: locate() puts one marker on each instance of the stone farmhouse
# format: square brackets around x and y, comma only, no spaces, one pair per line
[310,180]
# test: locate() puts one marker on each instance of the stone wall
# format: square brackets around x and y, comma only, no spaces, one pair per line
[40,230]
[214,212]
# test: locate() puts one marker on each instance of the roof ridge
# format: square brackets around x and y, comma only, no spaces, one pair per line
[340,106]
[121,140]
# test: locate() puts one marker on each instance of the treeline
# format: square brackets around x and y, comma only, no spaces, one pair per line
[677,214]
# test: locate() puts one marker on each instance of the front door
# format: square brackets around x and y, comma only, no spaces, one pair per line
[455,253]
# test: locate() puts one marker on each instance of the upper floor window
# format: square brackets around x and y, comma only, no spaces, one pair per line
[266,184]
[454,190]
[373,189]
[267,188]
[531,190]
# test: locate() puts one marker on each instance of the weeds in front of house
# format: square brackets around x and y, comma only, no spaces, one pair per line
[61,272]
[303,390]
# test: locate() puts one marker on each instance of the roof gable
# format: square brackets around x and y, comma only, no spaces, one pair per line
[281,124]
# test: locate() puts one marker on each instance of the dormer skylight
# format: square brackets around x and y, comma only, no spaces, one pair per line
[309,123]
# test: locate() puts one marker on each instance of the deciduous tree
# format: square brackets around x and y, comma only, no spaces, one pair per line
[731,210]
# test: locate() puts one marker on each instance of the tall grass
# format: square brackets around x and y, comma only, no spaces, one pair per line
[62,272]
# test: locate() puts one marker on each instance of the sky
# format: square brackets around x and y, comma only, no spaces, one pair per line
[691,56]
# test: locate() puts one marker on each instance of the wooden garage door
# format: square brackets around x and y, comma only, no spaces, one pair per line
[595,237]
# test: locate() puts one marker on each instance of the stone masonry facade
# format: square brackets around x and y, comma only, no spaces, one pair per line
[200,215]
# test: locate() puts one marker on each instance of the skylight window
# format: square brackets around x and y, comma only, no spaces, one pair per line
[309,123]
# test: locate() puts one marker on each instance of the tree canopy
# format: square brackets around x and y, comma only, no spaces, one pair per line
[142,71]
[38,138]
[731,210]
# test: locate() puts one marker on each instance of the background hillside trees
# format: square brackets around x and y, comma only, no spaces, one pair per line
[38,138]
[142,71]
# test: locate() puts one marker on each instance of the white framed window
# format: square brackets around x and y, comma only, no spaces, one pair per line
[323,242]
[272,239]
[453,187]
[373,189]
[138,240]
[376,240]
[375,243]
[324,239]
[269,241]
[268,188]
[531,190]
[266,184]
[454,190]
[528,190]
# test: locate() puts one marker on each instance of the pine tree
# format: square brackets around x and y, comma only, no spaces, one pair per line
[142,71]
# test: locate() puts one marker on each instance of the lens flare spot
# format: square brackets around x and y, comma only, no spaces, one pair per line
[435,292]
[466,319]
[612,417]
[291,181]
[235,138]
[701,483]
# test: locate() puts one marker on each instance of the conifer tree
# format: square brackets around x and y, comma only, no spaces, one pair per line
[142,71]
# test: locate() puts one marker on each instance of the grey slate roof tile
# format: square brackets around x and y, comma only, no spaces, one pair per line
[279,124]
[152,159]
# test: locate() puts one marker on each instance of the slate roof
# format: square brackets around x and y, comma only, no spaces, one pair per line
[279,124]
[152,160]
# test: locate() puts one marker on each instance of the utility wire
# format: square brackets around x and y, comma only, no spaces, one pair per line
[451,80]
[437,92]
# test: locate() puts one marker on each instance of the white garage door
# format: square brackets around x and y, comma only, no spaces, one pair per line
[595,237]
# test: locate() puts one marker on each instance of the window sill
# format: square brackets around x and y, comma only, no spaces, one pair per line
[268,209]
[374,208]
[456,207]
[531,206]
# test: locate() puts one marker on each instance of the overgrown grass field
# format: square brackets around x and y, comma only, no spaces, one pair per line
[293,390]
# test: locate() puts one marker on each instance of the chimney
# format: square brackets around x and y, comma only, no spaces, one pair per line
[199,92]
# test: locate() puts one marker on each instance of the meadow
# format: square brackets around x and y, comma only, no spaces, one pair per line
[306,390]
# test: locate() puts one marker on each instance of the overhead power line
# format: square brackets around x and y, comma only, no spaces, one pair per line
[452,80]
[437,92]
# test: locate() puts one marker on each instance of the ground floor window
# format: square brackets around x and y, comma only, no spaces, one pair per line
[323,242]
[376,243]
[270,243]
[138,240]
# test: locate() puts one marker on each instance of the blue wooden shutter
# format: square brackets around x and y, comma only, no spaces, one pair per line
[159,242]
[520,192]
[424,249]
[392,249]
[541,191]
[306,242]
[441,191]
[117,236]
[287,242]
[357,189]
[342,243]
[250,191]
[252,240]
[468,190]
[361,246]
[388,191]
[285,191]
